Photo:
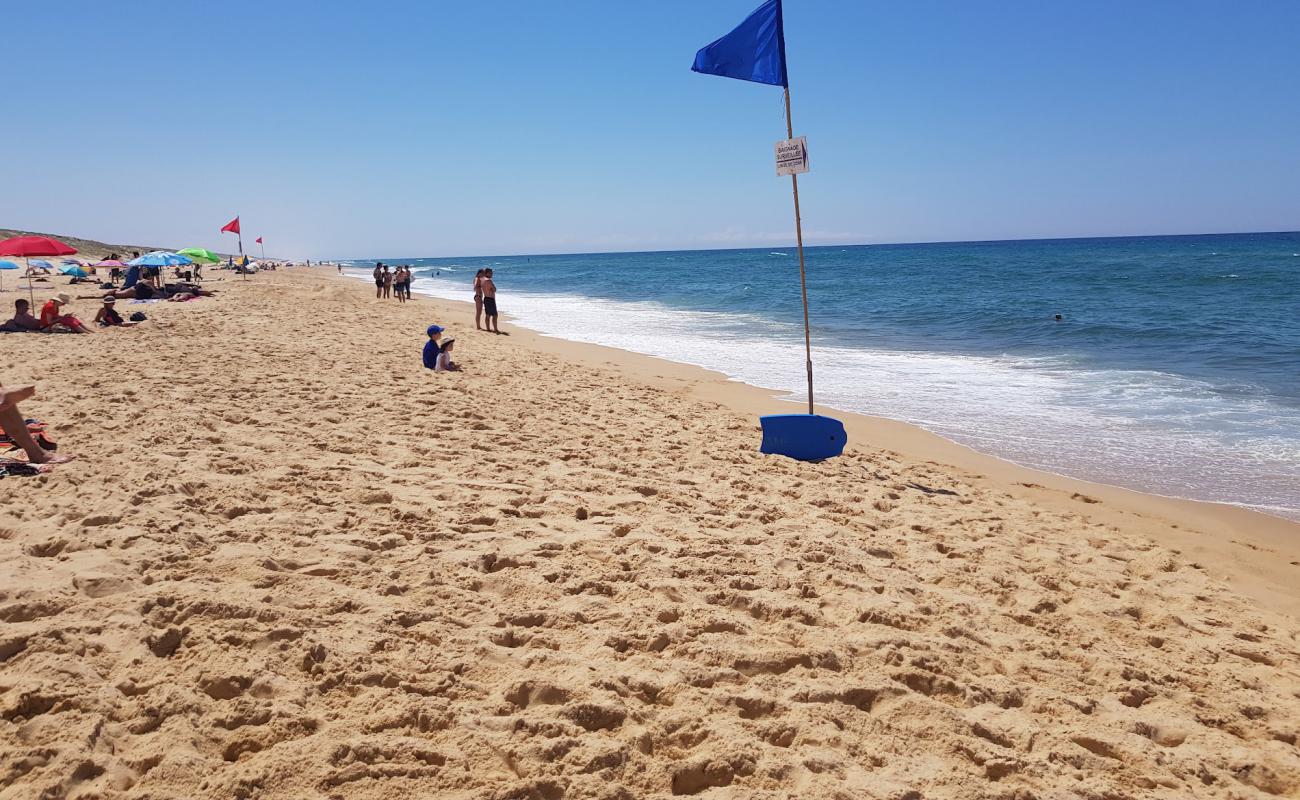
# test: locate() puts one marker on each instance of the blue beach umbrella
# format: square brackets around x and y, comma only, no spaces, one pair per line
[45,265]
[5,265]
[160,258]
[73,269]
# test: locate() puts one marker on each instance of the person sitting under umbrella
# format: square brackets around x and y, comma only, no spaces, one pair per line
[52,314]
[23,320]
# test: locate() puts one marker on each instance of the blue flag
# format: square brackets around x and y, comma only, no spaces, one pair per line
[754,51]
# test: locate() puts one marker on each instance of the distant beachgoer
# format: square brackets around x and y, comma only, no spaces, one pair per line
[443,362]
[478,300]
[23,320]
[108,317]
[490,301]
[340,269]
[52,313]
[407,283]
[388,282]
[137,291]
[379,279]
[15,426]
[1058,317]
[431,348]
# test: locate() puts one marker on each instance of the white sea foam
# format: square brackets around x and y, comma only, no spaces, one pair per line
[1148,430]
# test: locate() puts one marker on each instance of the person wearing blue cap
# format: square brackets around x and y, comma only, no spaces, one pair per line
[431,348]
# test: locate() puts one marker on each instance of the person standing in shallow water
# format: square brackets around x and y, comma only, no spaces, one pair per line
[403,283]
[489,301]
[478,300]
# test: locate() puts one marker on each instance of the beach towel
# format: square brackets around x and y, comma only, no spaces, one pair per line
[16,468]
[37,430]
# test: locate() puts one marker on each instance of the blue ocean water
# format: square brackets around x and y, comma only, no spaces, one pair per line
[1175,368]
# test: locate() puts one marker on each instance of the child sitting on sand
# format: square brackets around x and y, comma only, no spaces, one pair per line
[444,362]
[431,348]
[108,317]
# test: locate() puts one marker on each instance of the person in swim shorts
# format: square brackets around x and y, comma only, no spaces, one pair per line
[489,301]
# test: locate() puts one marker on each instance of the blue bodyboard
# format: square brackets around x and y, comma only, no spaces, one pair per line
[806,437]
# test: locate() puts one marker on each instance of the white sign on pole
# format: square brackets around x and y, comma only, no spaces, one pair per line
[792,156]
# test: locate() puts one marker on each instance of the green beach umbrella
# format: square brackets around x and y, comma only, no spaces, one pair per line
[199,254]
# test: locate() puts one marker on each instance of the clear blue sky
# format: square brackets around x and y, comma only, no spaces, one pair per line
[433,128]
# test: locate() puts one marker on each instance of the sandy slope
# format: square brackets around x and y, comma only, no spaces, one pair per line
[291,564]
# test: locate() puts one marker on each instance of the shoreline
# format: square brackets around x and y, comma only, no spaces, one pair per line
[1159,467]
[1242,544]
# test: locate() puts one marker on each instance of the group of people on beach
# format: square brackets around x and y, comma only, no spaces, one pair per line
[389,281]
[437,351]
[485,301]
[56,317]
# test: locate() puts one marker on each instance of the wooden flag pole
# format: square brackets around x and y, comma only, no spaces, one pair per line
[803,277]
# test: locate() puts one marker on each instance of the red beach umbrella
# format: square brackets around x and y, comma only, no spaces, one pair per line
[27,246]
[35,246]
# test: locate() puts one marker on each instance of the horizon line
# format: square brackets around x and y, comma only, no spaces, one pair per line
[812,246]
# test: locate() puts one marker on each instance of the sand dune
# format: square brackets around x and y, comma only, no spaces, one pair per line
[289,563]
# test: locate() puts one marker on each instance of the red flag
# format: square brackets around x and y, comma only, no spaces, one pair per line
[231,226]
[259,240]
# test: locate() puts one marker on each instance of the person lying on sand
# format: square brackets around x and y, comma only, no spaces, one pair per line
[108,317]
[137,291]
[11,420]
[52,313]
[23,319]
[192,289]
